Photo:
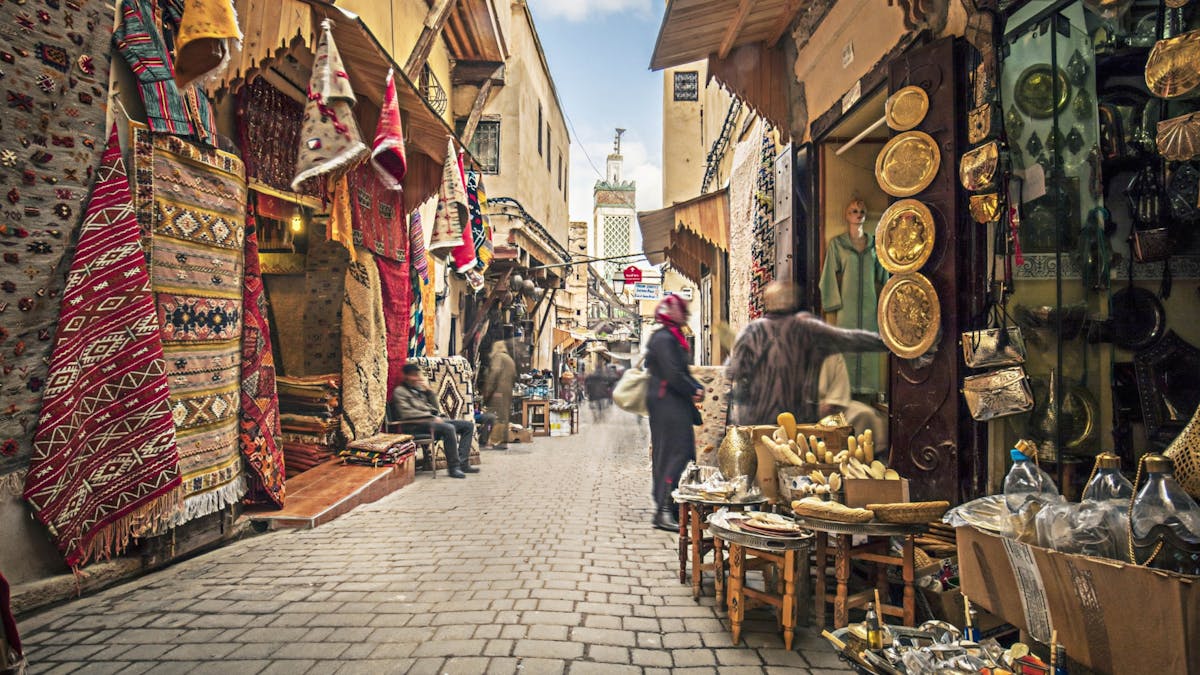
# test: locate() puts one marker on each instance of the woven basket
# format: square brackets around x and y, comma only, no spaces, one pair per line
[912,513]
[786,472]
[836,515]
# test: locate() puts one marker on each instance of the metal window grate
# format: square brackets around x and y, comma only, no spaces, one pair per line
[433,91]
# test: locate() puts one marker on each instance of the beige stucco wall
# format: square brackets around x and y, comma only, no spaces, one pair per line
[689,129]
[397,24]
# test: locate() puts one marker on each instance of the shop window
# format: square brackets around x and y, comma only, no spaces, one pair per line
[687,85]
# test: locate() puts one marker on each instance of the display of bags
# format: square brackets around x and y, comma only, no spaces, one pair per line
[993,347]
[629,394]
[998,394]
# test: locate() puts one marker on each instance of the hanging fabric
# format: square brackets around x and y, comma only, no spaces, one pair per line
[481,227]
[329,139]
[202,46]
[387,153]
[452,217]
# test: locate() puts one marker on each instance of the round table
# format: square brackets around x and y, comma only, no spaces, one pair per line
[872,551]
[692,513]
[788,554]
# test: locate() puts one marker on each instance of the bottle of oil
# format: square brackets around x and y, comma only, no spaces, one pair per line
[874,629]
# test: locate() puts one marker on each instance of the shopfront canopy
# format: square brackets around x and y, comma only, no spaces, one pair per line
[688,233]
[692,30]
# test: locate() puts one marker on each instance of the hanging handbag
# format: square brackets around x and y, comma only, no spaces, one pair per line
[629,394]
[1185,452]
[979,168]
[1001,344]
[1171,68]
[979,123]
[999,393]
[1152,245]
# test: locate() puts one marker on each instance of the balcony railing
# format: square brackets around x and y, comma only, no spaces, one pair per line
[433,91]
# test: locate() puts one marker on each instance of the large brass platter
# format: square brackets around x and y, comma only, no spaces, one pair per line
[909,315]
[904,237]
[1035,90]
[906,108]
[907,164]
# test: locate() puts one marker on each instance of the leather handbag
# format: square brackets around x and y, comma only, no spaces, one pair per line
[993,347]
[980,167]
[999,393]
[1184,451]
[1153,245]
[979,123]
[629,394]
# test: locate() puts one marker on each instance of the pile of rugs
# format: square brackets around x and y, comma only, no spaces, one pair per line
[379,450]
[310,419]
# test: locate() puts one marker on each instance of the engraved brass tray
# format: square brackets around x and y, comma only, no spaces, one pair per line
[906,108]
[909,315]
[904,237]
[908,164]
[1035,89]
[1172,70]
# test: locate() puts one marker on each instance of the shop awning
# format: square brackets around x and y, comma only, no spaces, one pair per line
[693,29]
[686,231]
[473,33]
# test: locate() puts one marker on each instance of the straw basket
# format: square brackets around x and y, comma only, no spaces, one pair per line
[912,513]
[837,515]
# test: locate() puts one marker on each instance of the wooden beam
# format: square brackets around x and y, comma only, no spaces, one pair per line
[735,27]
[785,20]
[474,72]
[476,112]
[434,21]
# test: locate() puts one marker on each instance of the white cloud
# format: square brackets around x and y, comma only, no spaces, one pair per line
[579,10]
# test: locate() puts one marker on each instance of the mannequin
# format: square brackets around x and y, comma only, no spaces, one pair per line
[850,283]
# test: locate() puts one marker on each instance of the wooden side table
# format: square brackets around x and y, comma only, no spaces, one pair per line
[789,556]
[875,550]
[535,416]
[693,514]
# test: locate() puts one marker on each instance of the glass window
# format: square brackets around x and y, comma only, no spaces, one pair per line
[687,85]
[485,144]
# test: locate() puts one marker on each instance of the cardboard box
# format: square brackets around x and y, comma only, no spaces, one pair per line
[1112,617]
[858,492]
[522,436]
[949,606]
[834,437]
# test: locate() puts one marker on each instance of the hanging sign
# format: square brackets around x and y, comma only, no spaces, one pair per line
[646,291]
[633,275]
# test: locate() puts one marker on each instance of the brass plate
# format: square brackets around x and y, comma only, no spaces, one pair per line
[1034,92]
[908,164]
[906,108]
[1171,70]
[904,237]
[909,315]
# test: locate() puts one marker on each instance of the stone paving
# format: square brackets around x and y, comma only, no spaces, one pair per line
[543,563]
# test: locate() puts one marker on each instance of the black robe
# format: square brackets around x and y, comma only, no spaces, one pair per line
[672,412]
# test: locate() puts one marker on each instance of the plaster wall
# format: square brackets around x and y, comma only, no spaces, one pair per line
[689,129]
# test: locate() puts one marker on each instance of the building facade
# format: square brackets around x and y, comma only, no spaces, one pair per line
[614,214]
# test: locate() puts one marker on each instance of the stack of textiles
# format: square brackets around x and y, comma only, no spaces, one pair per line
[310,419]
[379,450]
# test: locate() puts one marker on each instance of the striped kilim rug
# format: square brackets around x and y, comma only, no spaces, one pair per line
[105,466]
[197,243]
[261,444]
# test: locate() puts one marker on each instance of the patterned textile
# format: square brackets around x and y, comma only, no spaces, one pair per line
[450,229]
[364,351]
[259,415]
[378,214]
[714,410]
[170,109]
[742,176]
[416,327]
[481,228]
[387,153]
[329,138]
[396,283]
[269,124]
[379,450]
[105,465]
[762,250]
[198,215]
[202,46]
[341,218]
[453,380]
[325,290]
[55,64]
[416,246]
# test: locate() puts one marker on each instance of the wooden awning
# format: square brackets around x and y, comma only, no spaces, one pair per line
[692,30]
[473,31]
[756,74]
[687,234]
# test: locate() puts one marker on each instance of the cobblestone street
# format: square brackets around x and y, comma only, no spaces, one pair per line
[543,563]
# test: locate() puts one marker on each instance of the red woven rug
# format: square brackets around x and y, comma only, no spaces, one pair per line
[259,431]
[105,467]
[397,299]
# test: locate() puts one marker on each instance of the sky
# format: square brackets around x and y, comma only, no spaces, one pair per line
[599,56]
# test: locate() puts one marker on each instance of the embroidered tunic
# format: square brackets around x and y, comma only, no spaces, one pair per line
[848,287]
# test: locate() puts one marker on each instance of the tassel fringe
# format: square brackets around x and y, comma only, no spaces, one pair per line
[212,501]
[13,484]
[113,539]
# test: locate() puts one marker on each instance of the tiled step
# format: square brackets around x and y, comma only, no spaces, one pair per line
[332,489]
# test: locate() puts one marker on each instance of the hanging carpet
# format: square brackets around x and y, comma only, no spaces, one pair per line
[714,411]
[481,227]
[378,214]
[325,290]
[451,222]
[206,29]
[394,278]
[417,255]
[259,431]
[329,138]
[388,155]
[364,351]
[105,467]
[453,382]
[197,242]
[416,325]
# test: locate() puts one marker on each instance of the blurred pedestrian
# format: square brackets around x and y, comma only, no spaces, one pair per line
[671,401]
[498,392]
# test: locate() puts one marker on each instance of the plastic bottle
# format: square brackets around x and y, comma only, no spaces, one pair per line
[1025,480]
[1108,483]
[1162,501]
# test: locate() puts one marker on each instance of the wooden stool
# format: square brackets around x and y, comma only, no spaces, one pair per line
[693,512]
[789,556]
[875,550]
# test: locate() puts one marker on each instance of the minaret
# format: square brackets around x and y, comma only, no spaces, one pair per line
[614,214]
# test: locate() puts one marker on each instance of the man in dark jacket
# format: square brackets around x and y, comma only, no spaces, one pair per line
[418,411]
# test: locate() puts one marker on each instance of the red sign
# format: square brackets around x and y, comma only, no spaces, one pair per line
[633,275]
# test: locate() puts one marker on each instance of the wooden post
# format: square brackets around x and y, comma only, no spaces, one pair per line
[434,21]
[481,98]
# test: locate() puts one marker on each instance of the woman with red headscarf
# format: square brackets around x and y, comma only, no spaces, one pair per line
[671,400]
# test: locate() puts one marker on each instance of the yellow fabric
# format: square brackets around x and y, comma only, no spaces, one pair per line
[341,223]
[201,47]
[429,302]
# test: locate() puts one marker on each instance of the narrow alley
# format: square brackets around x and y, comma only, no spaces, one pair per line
[542,563]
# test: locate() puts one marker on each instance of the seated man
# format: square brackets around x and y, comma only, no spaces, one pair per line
[834,390]
[418,412]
